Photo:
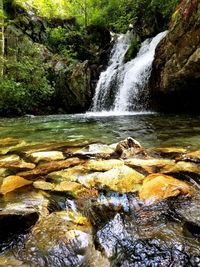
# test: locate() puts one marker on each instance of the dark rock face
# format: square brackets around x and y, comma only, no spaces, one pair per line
[174,82]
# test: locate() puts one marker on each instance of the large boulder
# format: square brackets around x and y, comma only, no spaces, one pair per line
[174,82]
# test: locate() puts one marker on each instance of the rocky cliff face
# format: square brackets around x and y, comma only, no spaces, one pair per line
[175,79]
[74,59]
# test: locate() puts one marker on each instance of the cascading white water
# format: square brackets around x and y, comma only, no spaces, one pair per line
[109,78]
[121,85]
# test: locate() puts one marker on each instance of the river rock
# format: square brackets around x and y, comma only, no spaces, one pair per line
[192,157]
[17,164]
[23,201]
[150,165]
[70,174]
[159,186]
[128,147]
[9,158]
[181,166]
[97,150]
[13,182]
[103,165]
[60,238]
[121,179]
[14,225]
[46,156]
[9,145]
[72,188]
[45,168]
[170,152]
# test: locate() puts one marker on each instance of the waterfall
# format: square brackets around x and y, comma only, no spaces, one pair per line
[120,86]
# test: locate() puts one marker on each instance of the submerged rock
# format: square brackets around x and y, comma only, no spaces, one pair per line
[70,174]
[61,239]
[159,186]
[9,144]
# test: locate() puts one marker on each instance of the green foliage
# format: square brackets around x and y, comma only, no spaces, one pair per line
[24,87]
[133,50]
[117,15]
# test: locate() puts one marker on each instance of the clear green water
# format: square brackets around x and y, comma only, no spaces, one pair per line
[152,130]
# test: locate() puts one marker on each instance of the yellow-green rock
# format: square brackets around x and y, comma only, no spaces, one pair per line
[157,187]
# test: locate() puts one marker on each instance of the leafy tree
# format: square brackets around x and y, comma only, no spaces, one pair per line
[25,87]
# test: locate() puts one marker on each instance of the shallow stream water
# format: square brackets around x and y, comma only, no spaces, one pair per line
[151,129]
[64,217]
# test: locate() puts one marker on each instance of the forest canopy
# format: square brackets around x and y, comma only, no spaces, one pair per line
[42,43]
[111,13]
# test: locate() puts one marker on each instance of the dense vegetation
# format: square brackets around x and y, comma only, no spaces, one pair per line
[43,41]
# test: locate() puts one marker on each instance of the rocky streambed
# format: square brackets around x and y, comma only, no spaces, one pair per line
[98,205]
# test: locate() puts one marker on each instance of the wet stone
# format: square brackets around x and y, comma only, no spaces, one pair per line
[13,226]
[159,186]
[150,165]
[121,179]
[181,166]
[103,165]
[150,252]
[46,168]
[61,239]
[46,156]
[12,183]
[97,150]
[191,157]
[129,147]
[170,152]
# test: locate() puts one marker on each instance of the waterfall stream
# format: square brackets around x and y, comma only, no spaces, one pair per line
[121,86]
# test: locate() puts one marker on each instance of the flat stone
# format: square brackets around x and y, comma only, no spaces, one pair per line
[43,185]
[103,165]
[67,186]
[9,158]
[181,166]
[171,152]
[46,156]
[70,174]
[23,201]
[12,182]
[150,165]
[9,144]
[157,187]
[46,168]
[192,156]
[96,149]
[122,179]
[17,165]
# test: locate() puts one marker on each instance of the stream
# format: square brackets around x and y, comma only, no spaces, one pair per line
[74,194]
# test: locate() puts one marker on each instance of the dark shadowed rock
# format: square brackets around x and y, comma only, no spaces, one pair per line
[175,78]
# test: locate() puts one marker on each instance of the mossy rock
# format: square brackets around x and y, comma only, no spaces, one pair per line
[133,50]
